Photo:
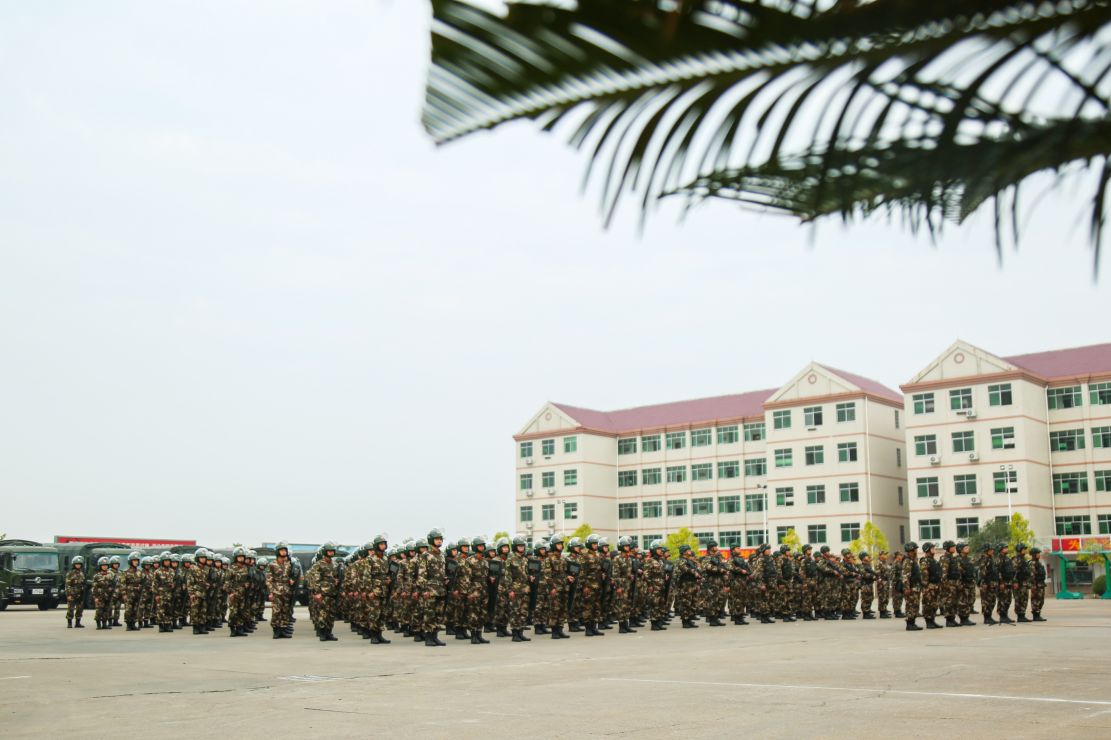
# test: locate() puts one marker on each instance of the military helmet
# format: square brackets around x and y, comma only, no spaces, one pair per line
[928,547]
[863,554]
[262,561]
[603,543]
[77,560]
[134,555]
[329,545]
[519,540]
[807,548]
[479,540]
[502,542]
[435,533]
[684,549]
[1020,547]
[947,544]
[188,558]
[224,559]
[175,558]
[280,546]
[824,549]
[115,560]
[1035,551]
[102,560]
[592,538]
[555,539]
[540,545]
[1001,545]
[910,546]
[420,542]
[145,561]
[165,555]
[379,539]
[711,543]
[251,554]
[201,553]
[656,545]
[625,541]
[239,551]
[575,542]
[986,547]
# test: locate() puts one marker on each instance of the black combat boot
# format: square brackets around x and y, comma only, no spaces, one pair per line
[950,622]
[540,629]
[461,634]
[116,622]
[519,636]
[577,627]
[449,630]
[1004,619]
[900,614]
[1022,617]
[1037,618]
[434,640]
[657,626]
[931,624]
[502,631]
[198,631]
[714,622]
[885,615]
[278,634]
[966,622]
[381,639]
[406,632]
[418,636]
[328,637]
[131,627]
[69,623]
[79,626]
[237,632]
[912,627]
[848,615]
[478,639]
[555,633]
[742,621]
[489,627]
[869,615]
[988,620]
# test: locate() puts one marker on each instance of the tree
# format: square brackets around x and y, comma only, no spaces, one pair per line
[792,540]
[871,539]
[683,537]
[499,535]
[584,531]
[1020,531]
[1092,555]
[812,108]
[992,533]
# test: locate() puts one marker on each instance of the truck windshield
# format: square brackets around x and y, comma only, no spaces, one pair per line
[27,561]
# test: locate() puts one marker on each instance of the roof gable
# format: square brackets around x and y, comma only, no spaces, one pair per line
[818,381]
[551,418]
[962,360]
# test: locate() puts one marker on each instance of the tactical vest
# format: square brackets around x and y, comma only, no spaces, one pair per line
[933,570]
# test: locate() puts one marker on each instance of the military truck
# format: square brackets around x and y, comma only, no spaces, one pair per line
[91,551]
[30,574]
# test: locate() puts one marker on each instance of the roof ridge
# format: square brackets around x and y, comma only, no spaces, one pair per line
[1059,349]
[667,403]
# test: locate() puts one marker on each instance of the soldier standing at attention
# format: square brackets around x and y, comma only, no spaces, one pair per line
[850,585]
[279,582]
[911,581]
[1022,582]
[713,583]
[197,588]
[989,582]
[75,592]
[537,585]
[591,581]
[431,583]
[622,575]
[897,585]
[951,583]
[1006,589]
[323,586]
[828,586]
[968,585]
[686,597]
[163,585]
[653,580]
[557,581]
[146,602]
[130,586]
[867,585]
[102,594]
[235,584]
[739,573]
[117,592]
[377,583]
[517,588]
[1037,584]
[180,608]
[931,591]
[473,588]
[883,584]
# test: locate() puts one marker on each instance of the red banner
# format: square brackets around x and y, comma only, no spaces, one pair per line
[129,541]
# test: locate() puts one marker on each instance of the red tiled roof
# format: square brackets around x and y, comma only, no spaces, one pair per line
[670,414]
[867,384]
[1060,363]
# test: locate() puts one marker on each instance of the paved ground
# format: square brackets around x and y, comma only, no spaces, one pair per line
[826,679]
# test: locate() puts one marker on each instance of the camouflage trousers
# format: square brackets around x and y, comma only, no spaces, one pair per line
[146,606]
[828,596]
[1003,599]
[806,598]
[913,597]
[896,600]
[238,610]
[117,605]
[280,610]
[542,606]
[987,599]
[374,613]
[517,609]
[1022,598]
[590,603]
[197,609]
[432,613]
[501,608]
[556,614]
[712,603]
[967,600]
[1037,598]
[867,595]
[622,604]
[324,615]
[131,606]
[883,594]
[164,607]
[737,600]
[931,597]
[657,604]
[950,597]
[686,600]
[75,606]
[474,610]
[850,595]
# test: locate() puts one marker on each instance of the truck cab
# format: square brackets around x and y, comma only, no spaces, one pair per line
[29,574]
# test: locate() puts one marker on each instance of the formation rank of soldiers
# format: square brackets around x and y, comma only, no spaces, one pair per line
[469,589]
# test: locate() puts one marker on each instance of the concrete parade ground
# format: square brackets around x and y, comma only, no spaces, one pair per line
[821,679]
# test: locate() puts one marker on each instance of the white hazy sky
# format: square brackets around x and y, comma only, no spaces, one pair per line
[243,297]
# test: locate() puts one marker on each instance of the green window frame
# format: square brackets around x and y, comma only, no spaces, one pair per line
[846,452]
[571,510]
[702,471]
[781,419]
[626,478]
[964,485]
[1065,397]
[816,534]
[964,442]
[755,431]
[1099,394]
[1104,523]
[526,481]
[702,437]
[728,539]
[1103,480]
[526,449]
[928,487]
[571,477]
[1072,482]
[650,476]
[816,494]
[1073,525]
[781,533]
[570,444]
[850,531]
[729,504]
[1003,438]
[929,529]
[960,399]
[925,444]
[627,511]
[547,447]
[651,509]
[1101,437]
[923,403]
[526,513]
[785,496]
[729,435]
[1000,395]
[1003,480]
[846,412]
[729,469]
[627,446]
[677,507]
[813,416]
[784,457]
[547,512]
[967,526]
[815,455]
[849,492]
[754,537]
[756,467]
[677,474]
[702,506]
[675,440]
[754,502]
[547,479]
[650,443]
[1066,440]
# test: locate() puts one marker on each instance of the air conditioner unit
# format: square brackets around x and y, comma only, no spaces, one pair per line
[935,502]
[551,491]
[973,456]
[970,413]
[529,493]
[528,525]
[528,461]
[976,501]
[935,459]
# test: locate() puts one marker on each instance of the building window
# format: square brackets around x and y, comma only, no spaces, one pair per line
[727,436]
[1103,480]
[730,539]
[547,447]
[850,492]
[571,511]
[925,444]
[702,506]
[1064,398]
[571,477]
[702,437]
[677,474]
[1099,394]
[526,481]
[1101,437]
[1067,525]
[816,534]
[1070,482]
[754,501]
[815,455]
[729,504]
[900,490]
[756,467]
[627,446]
[998,395]
[648,539]
[547,479]
[702,471]
[676,440]
[928,487]
[785,496]
[812,415]
[626,478]
[729,469]
[963,442]
[964,485]
[526,513]
[1003,438]
[1104,523]
[846,452]
[929,529]
[651,509]
[570,444]
[650,443]
[781,533]
[677,507]
[754,432]
[846,412]
[704,539]
[923,403]
[898,457]
[960,398]
[547,512]
[784,458]
[627,511]
[850,531]
[896,418]
[781,419]
[650,476]
[1067,440]
[967,526]
[816,494]
[754,537]
[526,449]
[1005,479]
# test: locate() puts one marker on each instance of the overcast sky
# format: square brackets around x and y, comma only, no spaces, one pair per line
[243,297]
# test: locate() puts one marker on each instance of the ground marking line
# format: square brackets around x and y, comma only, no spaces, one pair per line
[9,678]
[1003,697]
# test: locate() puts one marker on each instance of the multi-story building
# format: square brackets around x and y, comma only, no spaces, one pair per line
[821,455]
[1031,434]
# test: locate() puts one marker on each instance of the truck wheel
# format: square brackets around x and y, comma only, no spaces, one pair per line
[3,605]
[44,605]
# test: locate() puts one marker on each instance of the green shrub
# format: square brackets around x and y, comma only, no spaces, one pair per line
[1099,584]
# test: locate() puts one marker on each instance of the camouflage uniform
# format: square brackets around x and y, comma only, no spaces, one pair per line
[623,584]
[713,586]
[951,584]
[688,576]
[850,586]
[130,585]
[1006,569]
[829,585]
[591,582]
[163,585]
[883,585]
[279,582]
[102,597]
[236,582]
[931,591]
[516,582]
[431,580]
[377,585]
[968,587]
[867,585]
[75,595]
[146,601]
[911,581]
[323,584]
[739,576]
[1037,584]
[1022,582]
[196,585]
[897,585]
[989,584]
[654,583]
[117,592]
[553,576]
[473,582]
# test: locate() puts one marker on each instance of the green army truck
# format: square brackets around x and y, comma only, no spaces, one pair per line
[91,551]
[30,574]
